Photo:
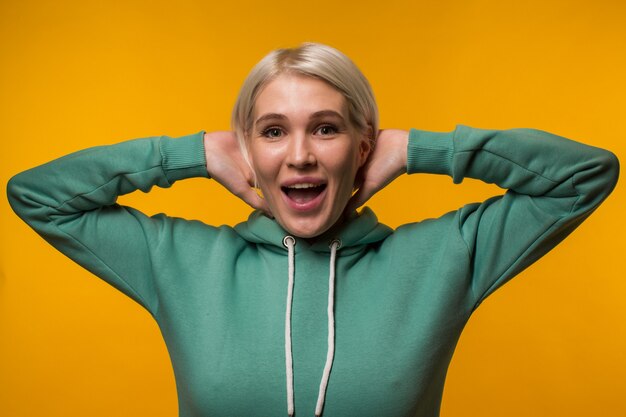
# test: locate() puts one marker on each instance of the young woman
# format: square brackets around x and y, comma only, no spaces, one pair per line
[308,304]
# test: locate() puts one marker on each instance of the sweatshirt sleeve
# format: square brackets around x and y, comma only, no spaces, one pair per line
[552,184]
[71,203]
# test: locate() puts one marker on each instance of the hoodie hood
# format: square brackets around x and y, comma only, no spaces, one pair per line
[357,230]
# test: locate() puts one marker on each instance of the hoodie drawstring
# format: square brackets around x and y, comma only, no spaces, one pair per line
[290,242]
[334,245]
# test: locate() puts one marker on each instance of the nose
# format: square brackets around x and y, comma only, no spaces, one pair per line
[301,153]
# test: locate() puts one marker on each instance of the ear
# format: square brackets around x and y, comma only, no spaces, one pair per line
[365,146]
[244,149]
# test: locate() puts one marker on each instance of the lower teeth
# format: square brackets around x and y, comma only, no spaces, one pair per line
[303,195]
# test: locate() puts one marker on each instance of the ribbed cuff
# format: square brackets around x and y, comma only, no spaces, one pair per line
[183,157]
[430,152]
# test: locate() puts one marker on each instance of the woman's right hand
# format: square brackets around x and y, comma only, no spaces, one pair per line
[226,165]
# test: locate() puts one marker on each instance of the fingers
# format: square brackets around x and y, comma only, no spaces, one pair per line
[251,198]
[360,197]
[353,204]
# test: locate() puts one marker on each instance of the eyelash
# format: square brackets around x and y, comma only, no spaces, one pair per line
[269,129]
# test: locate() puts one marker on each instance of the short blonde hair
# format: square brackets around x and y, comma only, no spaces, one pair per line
[313,60]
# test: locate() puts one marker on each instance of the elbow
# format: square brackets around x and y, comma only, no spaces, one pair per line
[610,170]
[21,194]
[600,179]
[13,192]
[595,181]
[16,192]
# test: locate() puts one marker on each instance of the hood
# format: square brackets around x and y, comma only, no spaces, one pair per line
[356,230]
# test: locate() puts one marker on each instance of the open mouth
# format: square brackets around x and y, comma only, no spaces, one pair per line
[303,193]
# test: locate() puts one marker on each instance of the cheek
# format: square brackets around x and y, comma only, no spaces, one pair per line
[344,171]
[265,162]
[347,161]
[266,168]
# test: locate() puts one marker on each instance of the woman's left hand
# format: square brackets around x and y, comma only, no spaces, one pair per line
[385,163]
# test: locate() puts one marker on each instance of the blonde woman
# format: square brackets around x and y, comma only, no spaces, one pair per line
[309,305]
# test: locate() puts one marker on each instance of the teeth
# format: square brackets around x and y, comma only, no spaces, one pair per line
[304,185]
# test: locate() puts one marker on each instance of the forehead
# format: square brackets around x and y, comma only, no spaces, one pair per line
[298,96]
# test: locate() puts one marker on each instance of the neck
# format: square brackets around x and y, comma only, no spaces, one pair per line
[333,231]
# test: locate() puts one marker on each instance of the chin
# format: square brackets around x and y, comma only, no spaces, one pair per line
[308,227]
[311,222]
[305,232]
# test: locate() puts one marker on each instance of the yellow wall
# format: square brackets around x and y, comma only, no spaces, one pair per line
[75,74]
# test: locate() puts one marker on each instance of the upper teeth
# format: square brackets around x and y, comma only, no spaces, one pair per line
[305,185]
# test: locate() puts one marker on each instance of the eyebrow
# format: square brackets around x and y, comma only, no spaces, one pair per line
[316,115]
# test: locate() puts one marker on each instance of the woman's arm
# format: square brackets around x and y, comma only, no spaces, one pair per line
[552,183]
[70,202]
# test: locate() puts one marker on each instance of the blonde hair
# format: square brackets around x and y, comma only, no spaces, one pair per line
[312,60]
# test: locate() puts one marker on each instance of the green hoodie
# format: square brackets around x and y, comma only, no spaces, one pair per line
[401,297]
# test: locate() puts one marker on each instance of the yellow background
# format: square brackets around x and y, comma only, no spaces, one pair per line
[75,74]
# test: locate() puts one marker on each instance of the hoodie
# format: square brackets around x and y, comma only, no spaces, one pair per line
[361,322]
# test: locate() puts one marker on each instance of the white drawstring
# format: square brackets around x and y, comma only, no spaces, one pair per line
[331,330]
[290,242]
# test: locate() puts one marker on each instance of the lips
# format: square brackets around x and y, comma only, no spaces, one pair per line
[303,194]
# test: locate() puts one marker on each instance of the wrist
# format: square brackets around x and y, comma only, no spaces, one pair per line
[183,157]
[429,152]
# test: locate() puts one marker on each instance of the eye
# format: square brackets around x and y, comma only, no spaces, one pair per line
[272,132]
[327,130]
